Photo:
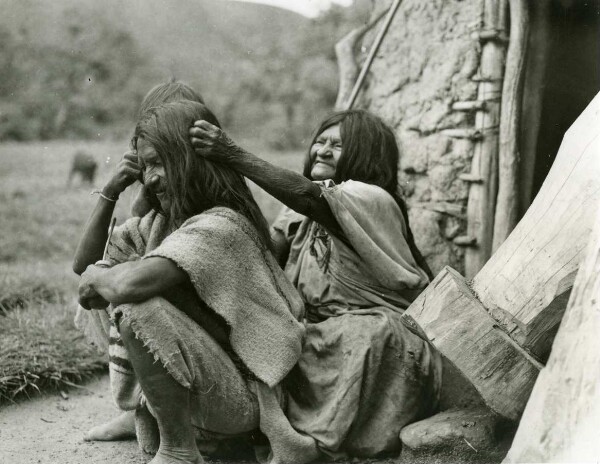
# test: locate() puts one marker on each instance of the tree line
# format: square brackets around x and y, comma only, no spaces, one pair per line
[90,83]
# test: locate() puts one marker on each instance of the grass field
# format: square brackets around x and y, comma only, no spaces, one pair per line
[40,223]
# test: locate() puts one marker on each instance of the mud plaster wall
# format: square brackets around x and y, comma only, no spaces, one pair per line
[426,62]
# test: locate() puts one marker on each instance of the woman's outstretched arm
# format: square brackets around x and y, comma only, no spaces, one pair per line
[292,189]
[91,245]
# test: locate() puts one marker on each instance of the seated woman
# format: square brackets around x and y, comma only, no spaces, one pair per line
[365,372]
[200,309]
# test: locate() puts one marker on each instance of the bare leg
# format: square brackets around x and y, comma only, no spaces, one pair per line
[146,430]
[119,428]
[169,402]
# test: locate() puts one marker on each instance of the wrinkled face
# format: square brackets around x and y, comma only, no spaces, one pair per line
[153,172]
[325,153]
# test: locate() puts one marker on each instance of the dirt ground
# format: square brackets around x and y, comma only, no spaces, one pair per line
[49,429]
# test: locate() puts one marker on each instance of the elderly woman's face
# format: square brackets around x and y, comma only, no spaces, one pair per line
[155,177]
[325,153]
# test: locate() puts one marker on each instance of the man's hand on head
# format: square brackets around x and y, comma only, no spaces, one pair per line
[127,172]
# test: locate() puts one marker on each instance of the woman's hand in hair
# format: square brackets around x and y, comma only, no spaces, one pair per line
[127,172]
[212,143]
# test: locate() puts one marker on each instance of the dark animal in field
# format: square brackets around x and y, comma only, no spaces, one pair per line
[85,166]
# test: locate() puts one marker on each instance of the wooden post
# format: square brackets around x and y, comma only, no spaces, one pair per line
[560,422]
[525,284]
[460,327]
[507,203]
[537,60]
[488,330]
[346,59]
[482,196]
[372,52]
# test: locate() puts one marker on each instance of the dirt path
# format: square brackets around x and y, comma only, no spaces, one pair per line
[49,430]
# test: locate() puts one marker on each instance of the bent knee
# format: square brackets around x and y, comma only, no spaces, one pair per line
[145,312]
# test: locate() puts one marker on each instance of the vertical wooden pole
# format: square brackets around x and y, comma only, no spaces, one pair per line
[482,195]
[374,48]
[507,203]
[537,60]
[346,59]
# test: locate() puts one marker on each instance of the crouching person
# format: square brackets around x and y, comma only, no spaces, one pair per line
[203,322]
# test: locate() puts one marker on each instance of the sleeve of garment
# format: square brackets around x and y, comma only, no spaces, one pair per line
[375,227]
[287,222]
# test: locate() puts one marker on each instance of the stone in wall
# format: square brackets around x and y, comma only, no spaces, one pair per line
[425,63]
[429,229]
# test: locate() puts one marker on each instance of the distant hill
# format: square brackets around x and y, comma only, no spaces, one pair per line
[207,42]
[74,67]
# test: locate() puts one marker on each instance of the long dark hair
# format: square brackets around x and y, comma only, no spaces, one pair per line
[194,184]
[370,154]
[167,92]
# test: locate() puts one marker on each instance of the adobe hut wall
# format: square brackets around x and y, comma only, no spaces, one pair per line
[427,61]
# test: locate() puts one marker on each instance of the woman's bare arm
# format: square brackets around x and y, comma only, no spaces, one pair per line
[91,245]
[292,189]
[129,282]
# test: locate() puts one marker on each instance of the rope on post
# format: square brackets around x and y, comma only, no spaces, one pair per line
[365,69]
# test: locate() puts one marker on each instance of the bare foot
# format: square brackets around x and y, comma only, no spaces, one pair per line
[167,455]
[120,428]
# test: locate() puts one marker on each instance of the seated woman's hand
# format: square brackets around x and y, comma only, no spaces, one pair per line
[212,143]
[127,172]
